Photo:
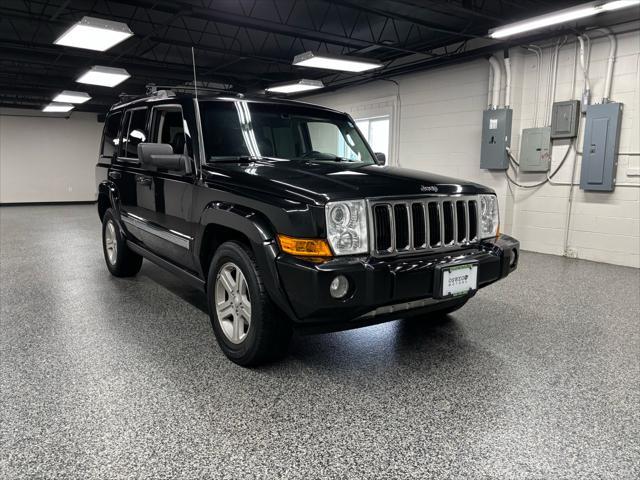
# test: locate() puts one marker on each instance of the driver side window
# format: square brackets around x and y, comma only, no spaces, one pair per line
[167,126]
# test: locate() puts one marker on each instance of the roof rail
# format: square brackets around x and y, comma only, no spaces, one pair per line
[190,88]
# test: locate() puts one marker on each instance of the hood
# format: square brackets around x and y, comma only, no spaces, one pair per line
[321,182]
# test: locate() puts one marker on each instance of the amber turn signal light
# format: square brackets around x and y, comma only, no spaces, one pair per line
[304,247]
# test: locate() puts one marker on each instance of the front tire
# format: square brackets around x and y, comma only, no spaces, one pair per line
[121,260]
[249,328]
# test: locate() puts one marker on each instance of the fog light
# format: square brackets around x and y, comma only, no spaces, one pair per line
[339,286]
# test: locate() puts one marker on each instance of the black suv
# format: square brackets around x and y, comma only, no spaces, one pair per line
[283,215]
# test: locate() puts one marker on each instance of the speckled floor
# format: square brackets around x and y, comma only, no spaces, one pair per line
[538,377]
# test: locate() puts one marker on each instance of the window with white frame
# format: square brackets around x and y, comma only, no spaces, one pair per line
[377,131]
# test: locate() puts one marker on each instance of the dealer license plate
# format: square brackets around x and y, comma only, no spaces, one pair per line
[459,279]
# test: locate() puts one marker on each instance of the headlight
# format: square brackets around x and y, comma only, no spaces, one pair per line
[347,227]
[489,216]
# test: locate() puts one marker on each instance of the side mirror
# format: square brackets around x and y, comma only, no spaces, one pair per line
[381,157]
[160,155]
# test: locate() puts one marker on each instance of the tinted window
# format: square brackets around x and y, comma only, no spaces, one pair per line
[168,127]
[136,133]
[242,128]
[110,135]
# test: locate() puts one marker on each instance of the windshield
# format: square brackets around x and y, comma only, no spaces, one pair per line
[247,129]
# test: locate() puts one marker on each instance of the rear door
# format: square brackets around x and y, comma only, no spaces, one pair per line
[135,184]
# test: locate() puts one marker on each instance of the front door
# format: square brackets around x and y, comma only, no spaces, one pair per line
[173,191]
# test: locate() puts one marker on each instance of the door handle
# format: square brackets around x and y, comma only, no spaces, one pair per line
[143,180]
[115,175]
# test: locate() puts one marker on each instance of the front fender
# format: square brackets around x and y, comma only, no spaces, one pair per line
[262,237]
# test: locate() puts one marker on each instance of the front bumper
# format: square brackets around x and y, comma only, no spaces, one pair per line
[378,283]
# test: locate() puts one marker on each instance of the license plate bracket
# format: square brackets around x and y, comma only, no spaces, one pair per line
[455,279]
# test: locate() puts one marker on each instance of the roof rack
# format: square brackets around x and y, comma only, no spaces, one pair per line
[190,88]
[126,97]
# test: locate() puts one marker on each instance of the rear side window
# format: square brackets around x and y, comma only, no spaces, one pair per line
[134,133]
[110,135]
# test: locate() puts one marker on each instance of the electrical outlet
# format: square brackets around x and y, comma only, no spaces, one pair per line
[572,252]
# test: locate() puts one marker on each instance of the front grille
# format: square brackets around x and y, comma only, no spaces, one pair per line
[423,224]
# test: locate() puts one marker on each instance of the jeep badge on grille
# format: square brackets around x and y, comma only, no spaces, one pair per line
[428,188]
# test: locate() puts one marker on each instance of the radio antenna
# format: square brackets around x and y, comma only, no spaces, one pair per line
[195,82]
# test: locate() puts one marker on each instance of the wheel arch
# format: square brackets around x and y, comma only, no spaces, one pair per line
[222,222]
[106,198]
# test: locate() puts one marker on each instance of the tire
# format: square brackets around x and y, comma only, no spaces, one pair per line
[121,261]
[249,328]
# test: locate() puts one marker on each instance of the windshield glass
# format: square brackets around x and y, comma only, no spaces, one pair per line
[248,129]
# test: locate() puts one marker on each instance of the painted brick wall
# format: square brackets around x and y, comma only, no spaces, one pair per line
[441,112]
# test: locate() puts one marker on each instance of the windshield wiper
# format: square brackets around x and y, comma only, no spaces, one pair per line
[325,157]
[231,159]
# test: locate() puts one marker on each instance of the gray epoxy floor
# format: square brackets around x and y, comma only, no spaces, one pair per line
[538,377]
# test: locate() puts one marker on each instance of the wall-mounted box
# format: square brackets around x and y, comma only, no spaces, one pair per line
[600,149]
[496,137]
[535,150]
[565,118]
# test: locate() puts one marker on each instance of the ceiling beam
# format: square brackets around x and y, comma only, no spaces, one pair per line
[405,18]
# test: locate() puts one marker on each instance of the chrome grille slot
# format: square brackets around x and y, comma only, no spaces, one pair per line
[419,220]
[473,220]
[435,223]
[448,222]
[382,226]
[435,232]
[461,221]
[401,217]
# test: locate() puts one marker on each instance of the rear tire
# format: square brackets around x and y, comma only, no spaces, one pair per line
[249,328]
[121,260]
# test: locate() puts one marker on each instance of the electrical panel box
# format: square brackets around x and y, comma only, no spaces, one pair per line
[535,150]
[600,150]
[496,137]
[565,117]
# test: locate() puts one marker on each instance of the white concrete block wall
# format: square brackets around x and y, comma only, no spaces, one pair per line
[603,226]
[47,159]
[440,132]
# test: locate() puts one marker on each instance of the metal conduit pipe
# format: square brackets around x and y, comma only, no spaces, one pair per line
[507,70]
[613,45]
[497,81]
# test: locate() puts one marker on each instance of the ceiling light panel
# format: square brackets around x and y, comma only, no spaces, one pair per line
[94,34]
[104,76]
[341,63]
[72,97]
[296,86]
[561,16]
[58,107]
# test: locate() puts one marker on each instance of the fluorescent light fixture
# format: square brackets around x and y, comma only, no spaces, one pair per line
[104,76]
[72,97]
[296,86]
[58,107]
[94,34]
[335,62]
[561,16]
